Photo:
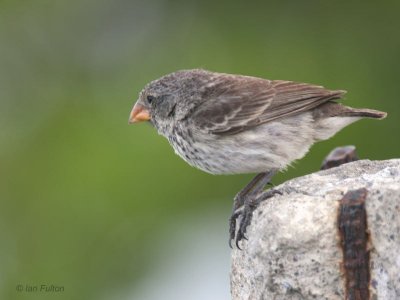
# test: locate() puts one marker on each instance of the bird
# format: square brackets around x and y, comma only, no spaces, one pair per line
[235,124]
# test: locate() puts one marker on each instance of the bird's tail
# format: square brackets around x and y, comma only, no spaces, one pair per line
[363,112]
[331,117]
[334,109]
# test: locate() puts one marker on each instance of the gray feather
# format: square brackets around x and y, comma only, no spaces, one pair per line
[233,103]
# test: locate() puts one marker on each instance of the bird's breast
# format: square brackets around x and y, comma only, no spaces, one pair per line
[223,155]
[273,145]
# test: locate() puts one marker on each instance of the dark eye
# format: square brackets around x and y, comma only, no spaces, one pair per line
[150,99]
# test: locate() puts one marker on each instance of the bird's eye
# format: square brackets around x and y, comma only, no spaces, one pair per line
[150,99]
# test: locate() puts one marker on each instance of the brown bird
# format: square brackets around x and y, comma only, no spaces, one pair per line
[233,124]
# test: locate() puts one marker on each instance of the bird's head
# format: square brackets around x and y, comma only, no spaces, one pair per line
[168,99]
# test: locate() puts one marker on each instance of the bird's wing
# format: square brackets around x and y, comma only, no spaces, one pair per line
[235,103]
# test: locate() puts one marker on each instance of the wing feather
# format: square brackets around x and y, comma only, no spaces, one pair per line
[234,103]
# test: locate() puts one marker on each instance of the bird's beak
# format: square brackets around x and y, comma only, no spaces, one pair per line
[139,113]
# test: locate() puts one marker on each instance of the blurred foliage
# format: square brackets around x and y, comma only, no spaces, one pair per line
[84,196]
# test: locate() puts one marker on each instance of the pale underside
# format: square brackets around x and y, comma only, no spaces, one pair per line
[273,145]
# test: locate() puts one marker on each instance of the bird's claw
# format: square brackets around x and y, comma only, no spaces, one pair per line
[269,193]
[246,214]
[232,227]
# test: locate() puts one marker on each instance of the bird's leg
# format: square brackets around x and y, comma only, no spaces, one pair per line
[246,201]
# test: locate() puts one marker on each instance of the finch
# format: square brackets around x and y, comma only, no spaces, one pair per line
[235,124]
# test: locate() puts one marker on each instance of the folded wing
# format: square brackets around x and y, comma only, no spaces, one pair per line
[236,103]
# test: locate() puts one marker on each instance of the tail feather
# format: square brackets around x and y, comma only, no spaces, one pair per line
[331,117]
[334,109]
[364,112]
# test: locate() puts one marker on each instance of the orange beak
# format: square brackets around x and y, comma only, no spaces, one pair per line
[139,114]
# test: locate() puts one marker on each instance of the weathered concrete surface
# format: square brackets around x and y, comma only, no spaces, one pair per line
[293,251]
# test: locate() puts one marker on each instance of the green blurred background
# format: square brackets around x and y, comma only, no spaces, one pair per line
[107,210]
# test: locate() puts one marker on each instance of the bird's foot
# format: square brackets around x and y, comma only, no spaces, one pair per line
[251,202]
